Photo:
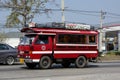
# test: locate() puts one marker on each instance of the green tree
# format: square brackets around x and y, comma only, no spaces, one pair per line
[23,11]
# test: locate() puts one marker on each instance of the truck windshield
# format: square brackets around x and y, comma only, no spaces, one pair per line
[27,39]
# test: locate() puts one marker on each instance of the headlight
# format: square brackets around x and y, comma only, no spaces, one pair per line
[21,52]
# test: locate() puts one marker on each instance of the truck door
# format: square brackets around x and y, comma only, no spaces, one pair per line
[43,45]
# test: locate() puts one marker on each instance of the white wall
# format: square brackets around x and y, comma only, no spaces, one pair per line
[12,41]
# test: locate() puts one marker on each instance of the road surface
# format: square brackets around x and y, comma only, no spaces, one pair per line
[95,71]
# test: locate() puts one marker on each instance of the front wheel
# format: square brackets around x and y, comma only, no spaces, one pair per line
[80,62]
[45,62]
[10,60]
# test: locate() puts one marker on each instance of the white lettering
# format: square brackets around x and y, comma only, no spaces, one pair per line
[77,26]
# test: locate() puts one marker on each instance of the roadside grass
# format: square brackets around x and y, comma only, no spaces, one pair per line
[111,55]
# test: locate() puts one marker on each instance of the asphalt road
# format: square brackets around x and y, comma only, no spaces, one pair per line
[95,71]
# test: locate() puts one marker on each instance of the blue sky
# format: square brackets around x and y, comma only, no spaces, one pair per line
[109,6]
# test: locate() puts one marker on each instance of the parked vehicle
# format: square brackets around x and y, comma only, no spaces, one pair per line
[8,54]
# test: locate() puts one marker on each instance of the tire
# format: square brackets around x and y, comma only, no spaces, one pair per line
[10,60]
[80,62]
[66,64]
[31,65]
[45,62]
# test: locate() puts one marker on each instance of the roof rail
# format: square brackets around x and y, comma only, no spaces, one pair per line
[63,26]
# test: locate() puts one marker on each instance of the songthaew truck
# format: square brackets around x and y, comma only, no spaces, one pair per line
[60,43]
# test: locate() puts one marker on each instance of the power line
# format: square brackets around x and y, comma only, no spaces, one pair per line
[74,11]
[112,17]
[82,11]
[114,14]
[92,13]
[85,14]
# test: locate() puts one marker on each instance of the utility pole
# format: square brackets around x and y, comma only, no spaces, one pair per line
[25,13]
[63,8]
[101,32]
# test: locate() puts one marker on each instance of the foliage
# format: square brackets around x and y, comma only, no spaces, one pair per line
[117,53]
[113,53]
[23,11]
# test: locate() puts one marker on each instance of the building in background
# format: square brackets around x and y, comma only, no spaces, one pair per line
[111,36]
[12,36]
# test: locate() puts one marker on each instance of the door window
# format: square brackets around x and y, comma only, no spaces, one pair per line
[42,39]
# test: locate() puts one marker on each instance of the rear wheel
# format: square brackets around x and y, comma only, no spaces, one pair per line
[31,65]
[10,60]
[80,62]
[45,62]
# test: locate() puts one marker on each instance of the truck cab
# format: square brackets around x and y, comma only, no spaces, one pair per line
[33,45]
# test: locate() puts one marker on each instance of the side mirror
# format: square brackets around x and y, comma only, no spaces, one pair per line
[21,38]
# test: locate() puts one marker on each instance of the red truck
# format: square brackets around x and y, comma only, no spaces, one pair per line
[44,45]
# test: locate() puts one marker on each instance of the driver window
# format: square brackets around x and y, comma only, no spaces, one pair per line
[42,39]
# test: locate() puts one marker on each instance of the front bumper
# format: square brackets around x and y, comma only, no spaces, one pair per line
[21,60]
[31,60]
[28,60]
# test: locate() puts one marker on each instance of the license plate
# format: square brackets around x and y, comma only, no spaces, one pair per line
[21,60]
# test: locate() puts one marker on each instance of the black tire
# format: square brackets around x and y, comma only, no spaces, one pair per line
[66,64]
[45,62]
[10,60]
[31,65]
[80,62]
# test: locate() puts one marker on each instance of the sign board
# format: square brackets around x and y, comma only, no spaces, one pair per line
[62,25]
[78,26]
